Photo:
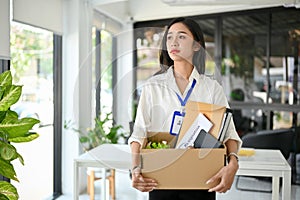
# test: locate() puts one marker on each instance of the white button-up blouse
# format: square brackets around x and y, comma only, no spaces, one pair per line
[158,101]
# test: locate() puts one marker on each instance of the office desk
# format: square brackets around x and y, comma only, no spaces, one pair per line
[106,156]
[266,163]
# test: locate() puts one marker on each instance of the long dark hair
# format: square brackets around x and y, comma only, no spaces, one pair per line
[199,56]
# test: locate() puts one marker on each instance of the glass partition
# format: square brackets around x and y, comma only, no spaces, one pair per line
[260,55]
[284,64]
[244,65]
[148,42]
[32,67]
[257,54]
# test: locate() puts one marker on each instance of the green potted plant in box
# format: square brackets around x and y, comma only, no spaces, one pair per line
[12,130]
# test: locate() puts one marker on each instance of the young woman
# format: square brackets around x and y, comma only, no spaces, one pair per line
[180,79]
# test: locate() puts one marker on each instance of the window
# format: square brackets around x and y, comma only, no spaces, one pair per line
[243,64]
[147,47]
[102,71]
[284,60]
[257,54]
[32,67]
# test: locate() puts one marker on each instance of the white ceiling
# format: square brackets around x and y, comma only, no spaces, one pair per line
[143,10]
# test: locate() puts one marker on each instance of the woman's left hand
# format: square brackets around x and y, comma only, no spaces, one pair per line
[226,175]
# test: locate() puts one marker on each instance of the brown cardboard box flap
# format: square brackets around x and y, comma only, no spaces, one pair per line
[160,136]
[213,112]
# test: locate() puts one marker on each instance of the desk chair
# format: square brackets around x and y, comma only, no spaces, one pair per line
[281,139]
[93,176]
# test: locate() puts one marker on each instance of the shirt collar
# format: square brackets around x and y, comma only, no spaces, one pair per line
[194,75]
[171,79]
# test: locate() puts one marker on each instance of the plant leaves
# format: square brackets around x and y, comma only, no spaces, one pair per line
[10,97]
[3,197]
[7,151]
[2,115]
[104,131]
[8,191]
[26,138]
[2,90]
[7,170]
[17,128]
[83,139]
[11,114]
[11,129]
[20,158]
[6,78]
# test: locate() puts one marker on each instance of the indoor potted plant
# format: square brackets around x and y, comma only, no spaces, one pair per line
[12,130]
[104,131]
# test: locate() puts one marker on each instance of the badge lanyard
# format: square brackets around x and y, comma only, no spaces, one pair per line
[183,101]
[178,116]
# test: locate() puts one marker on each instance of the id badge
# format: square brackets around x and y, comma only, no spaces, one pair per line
[176,123]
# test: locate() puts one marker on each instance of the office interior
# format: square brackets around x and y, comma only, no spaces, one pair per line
[77,59]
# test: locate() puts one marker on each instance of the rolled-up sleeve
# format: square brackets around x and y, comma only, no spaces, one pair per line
[232,134]
[142,120]
[220,99]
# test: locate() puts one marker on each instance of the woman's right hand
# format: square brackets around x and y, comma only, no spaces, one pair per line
[141,183]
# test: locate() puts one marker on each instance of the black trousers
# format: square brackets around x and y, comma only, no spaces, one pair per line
[181,195]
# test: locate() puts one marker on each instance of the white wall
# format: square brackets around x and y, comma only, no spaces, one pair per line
[77,85]
[124,87]
[4,30]
[77,82]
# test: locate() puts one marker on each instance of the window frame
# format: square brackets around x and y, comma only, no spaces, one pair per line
[57,123]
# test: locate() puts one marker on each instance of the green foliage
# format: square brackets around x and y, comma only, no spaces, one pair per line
[104,131]
[157,145]
[12,129]
[29,46]
[8,191]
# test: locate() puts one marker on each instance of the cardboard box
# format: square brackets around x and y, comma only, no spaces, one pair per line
[214,113]
[181,168]
[186,168]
